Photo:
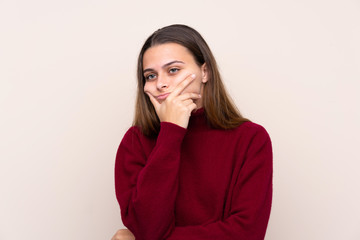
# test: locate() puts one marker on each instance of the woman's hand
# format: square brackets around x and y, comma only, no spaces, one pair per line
[177,107]
[123,234]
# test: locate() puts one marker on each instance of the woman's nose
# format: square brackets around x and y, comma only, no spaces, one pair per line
[162,83]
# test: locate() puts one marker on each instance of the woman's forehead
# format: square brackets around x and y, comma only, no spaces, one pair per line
[159,55]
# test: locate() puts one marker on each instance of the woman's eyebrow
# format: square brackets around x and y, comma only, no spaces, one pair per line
[164,66]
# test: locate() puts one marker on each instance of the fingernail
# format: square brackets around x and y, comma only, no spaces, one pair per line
[193,76]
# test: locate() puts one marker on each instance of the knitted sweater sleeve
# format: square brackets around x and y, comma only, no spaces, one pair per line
[250,201]
[146,184]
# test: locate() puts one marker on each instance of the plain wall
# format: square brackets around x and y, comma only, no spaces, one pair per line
[67,72]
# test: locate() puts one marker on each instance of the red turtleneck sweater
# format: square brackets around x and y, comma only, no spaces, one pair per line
[196,183]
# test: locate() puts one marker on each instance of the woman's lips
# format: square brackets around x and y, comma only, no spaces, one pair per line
[163,96]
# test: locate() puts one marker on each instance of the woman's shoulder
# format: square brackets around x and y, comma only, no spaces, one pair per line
[250,126]
[132,131]
[251,129]
[132,134]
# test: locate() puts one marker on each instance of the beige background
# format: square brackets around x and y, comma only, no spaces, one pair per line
[67,71]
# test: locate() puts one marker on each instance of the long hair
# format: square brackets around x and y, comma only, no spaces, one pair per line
[220,111]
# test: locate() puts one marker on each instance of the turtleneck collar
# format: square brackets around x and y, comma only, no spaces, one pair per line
[198,112]
[198,119]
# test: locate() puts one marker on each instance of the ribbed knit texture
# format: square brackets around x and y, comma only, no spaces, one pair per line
[196,183]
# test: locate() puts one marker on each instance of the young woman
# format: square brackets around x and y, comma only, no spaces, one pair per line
[191,167]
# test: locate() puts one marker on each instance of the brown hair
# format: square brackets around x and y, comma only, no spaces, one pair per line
[219,109]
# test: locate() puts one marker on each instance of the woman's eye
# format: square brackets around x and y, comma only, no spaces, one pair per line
[173,70]
[150,77]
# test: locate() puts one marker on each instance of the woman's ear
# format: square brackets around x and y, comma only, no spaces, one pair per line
[204,73]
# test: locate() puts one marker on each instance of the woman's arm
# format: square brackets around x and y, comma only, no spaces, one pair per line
[250,202]
[146,186]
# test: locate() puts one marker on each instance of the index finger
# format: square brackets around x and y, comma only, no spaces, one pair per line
[181,86]
[153,101]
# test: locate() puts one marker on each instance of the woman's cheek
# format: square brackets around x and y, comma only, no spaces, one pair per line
[146,87]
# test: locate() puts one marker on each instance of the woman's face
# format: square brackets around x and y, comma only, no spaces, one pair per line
[166,65]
